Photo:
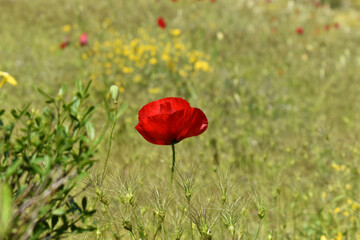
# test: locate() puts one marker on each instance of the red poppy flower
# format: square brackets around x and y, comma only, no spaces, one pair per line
[63,45]
[83,39]
[336,25]
[161,22]
[170,120]
[327,27]
[299,30]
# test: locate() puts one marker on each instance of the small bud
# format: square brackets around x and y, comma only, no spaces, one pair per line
[114,92]
[232,230]
[127,225]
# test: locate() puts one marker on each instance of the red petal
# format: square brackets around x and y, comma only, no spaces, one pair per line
[196,123]
[161,129]
[163,106]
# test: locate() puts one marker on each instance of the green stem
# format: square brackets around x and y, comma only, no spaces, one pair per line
[173,166]
[112,216]
[191,231]
[110,141]
[258,230]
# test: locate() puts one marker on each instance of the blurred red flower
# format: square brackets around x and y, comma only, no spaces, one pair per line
[299,30]
[65,43]
[170,120]
[83,39]
[327,27]
[336,25]
[161,22]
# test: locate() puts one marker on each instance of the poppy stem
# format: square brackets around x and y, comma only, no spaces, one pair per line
[173,165]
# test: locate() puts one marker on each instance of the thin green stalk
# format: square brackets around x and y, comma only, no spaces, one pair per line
[112,216]
[110,141]
[172,170]
[258,230]
[173,165]
[191,231]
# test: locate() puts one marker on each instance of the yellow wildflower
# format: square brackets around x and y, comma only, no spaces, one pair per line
[153,61]
[183,73]
[202,65]
[66,28]
[323,237]
[335,166]
[154,90]
[337,210]
[339,236]
[108,64]
[175,32]
[7,78]
[165,57]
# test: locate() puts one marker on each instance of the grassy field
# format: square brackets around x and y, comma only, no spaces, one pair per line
[278,81]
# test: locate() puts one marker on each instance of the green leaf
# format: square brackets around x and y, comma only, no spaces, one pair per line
[79,85]
[12,169]
[121,110]
[62,90]
[5,208]
[14,113]
[59,212]
[50,99]
[54,221]
[84,203]
[90,130]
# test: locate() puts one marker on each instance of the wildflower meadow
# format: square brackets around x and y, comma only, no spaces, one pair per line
[180,119]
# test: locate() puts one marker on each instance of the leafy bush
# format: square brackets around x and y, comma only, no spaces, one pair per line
[43,156]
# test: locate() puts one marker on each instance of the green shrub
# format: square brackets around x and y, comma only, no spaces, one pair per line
[43,156]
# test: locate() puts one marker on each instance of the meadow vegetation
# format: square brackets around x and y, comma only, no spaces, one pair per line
[277,80]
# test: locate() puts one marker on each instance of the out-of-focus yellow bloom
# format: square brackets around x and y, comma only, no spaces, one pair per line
[66,28]
[153,61]
[348,186]
[165,57]
[179,46]
[202,65]
[5,77]
[323,237]
[154,90]
[335,166]
[127,70]
[108,64]
[337,210]
[84,56]
[338,236]
[175,32]
[183,73]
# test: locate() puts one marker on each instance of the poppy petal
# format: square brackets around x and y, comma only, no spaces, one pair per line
[162,107]
[196,124]
[161,129]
